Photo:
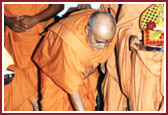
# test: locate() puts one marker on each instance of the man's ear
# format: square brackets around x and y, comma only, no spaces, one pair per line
[87,30]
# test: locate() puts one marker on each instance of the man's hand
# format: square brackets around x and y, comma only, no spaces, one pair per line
[89,71]
[22,23]
[84,6]
[15,24]
[28,21]
[134,43]
[76,101]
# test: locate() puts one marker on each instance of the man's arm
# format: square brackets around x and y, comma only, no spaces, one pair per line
[49,12]
[21,23]
[46,14]
[76,101]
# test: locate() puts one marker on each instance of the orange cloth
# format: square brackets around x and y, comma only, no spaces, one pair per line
[22,45]
[18,92]
[112,7]
[63,56]
[141,74]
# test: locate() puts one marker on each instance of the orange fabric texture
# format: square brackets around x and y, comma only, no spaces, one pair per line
[64,55]
[22,45]
[141,74]
[114,100]
[112,7]
[18,92]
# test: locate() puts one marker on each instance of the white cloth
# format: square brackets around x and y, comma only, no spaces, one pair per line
[67,6]
[95,6]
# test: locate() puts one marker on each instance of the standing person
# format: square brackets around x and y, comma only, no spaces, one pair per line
[140,77]
[68,57]
[23,25]
[110,81]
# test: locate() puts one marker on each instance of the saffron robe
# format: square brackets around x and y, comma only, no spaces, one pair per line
[18,92]
[141,77]
[22,45]
[63,56]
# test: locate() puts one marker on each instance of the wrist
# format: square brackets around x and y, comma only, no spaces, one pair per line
[36,19]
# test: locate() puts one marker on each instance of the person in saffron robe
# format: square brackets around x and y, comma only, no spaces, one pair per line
[24,24]
[68,58]
[135,75]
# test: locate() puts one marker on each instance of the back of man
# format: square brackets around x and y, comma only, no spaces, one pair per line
[65,59]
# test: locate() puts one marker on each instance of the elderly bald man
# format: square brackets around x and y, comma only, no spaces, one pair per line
[68,57]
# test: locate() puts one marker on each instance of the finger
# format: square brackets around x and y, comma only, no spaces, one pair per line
[134,48]
[26,26]
[88,6]
[22,25]
[15,29]
[18,18]
[19,28]
[137,41]
[79,6]
[22,29]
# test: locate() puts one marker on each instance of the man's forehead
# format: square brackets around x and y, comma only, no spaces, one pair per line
[106,41]
[103,40]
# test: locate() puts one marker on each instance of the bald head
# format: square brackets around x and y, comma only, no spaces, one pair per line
[102,23]
[102,26]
